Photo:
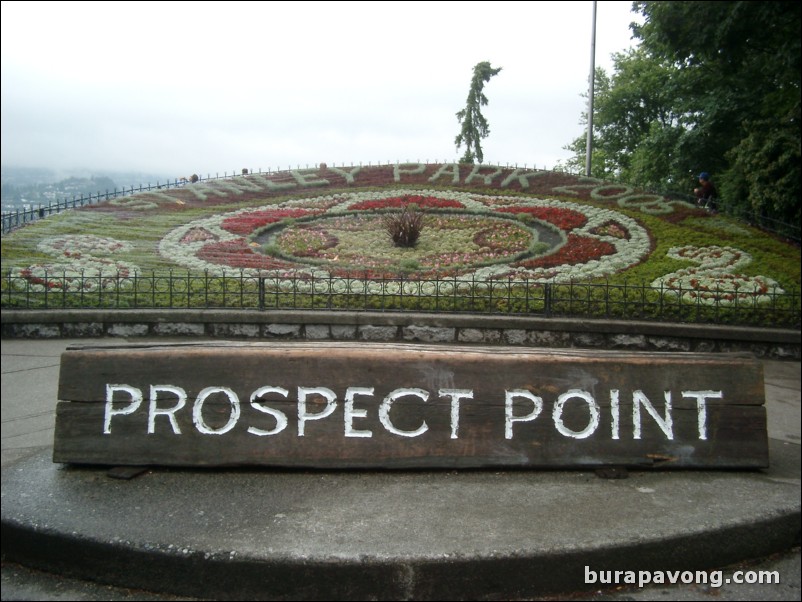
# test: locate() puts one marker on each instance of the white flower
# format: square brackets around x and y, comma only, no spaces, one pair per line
[714,282]
[82,244]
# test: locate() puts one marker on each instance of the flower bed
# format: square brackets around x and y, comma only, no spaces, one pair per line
[468,235]
[483,224]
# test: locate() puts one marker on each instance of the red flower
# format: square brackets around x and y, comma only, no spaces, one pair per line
[564,219]
[578,249]
[245,223]
[237,254]
[398,202]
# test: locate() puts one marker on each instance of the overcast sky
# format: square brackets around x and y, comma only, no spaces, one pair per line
[205,87]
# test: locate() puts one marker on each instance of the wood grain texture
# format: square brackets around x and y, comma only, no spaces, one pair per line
[341,405]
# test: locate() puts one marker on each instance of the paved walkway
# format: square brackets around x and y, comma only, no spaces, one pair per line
[397,535]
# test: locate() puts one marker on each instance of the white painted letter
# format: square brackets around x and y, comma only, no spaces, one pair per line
[701,407]
[509,418]
[350,413]
[384,412]
[169,412]
[614,412]
[197,415]
[666,424]
[593,408]
[456,395]
[281,417]
[136,400]
[303,416]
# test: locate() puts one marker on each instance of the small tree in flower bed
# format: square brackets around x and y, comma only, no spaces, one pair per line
[404,227]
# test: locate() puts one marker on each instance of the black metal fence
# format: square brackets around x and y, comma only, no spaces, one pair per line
[190,290]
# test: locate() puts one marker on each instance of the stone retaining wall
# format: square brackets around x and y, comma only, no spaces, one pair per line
[402,327]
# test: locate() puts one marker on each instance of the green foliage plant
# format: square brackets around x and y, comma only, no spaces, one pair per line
[405,226]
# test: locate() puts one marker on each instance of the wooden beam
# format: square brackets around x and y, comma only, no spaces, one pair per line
[356,405]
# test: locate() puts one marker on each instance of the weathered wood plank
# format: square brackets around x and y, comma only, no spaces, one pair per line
[400,406]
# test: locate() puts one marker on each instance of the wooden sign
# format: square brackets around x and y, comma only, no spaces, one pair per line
[356,405]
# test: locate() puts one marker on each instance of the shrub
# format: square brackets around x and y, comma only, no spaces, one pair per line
[410,265]
[404,227]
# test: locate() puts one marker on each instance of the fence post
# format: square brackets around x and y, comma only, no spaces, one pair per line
[547,299]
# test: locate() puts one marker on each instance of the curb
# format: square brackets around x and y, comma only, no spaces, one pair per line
[277,539]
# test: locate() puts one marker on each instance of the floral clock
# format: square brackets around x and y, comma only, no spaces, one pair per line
[469,236]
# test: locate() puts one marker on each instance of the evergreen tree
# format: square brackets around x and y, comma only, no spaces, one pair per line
[474,125]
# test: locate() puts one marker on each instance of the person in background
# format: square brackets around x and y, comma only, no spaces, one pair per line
[706,193]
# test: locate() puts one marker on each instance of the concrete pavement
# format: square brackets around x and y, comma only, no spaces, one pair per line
[262,534]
